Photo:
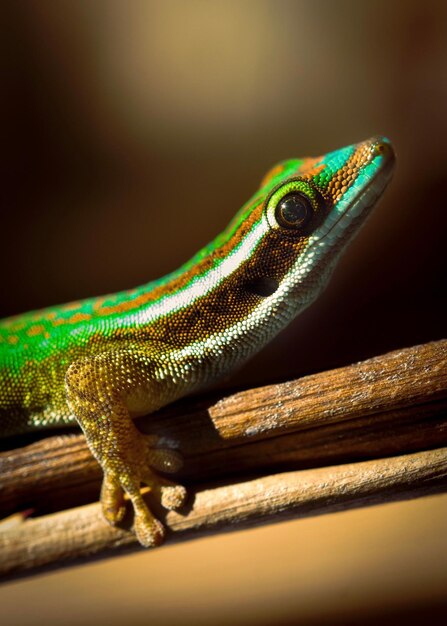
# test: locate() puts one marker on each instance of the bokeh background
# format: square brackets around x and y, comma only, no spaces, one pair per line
[131,132]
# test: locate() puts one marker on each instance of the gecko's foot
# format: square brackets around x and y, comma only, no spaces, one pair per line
[117,486]
[149,530]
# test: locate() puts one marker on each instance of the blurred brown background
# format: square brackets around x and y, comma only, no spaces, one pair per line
[132,132]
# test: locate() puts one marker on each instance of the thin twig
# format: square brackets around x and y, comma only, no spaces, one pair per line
[81,533]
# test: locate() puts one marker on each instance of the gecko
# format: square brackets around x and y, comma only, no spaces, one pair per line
[103,361]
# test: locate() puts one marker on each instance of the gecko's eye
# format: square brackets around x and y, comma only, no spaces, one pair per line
[293,208]
[294,211]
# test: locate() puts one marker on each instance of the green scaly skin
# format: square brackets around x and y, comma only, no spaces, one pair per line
[103,361]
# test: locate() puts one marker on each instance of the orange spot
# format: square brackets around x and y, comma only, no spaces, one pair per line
[35,330]
[127,305]
[78,317]
[13,339]
[98,303]
[72,305]
[274,171]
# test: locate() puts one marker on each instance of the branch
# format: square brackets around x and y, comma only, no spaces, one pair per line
[81,533]
[385,406]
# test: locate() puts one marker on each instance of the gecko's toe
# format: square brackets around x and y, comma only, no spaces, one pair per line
[173,496]
[112,500]
[149,531]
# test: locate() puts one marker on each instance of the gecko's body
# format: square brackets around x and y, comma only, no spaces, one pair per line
[105,360]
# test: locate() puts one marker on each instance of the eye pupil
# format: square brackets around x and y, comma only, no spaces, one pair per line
[294,211]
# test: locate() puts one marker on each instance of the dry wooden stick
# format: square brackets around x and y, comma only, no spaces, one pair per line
[397,380]
[81,533]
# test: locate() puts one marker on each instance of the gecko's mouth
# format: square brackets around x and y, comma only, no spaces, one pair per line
[354,207]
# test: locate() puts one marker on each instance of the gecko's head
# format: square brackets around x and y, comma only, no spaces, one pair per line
[305,214]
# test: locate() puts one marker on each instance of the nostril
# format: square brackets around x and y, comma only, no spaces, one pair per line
[382,148]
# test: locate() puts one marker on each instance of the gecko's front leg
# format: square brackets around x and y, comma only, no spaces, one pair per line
[99,389]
